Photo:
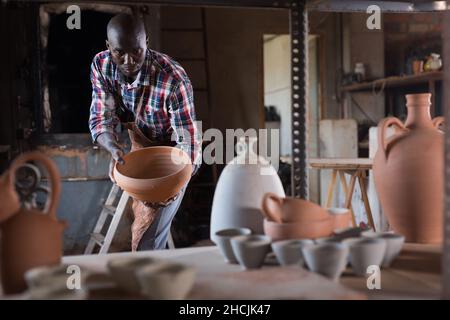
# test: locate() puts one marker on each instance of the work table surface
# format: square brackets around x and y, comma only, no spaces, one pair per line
[415,274]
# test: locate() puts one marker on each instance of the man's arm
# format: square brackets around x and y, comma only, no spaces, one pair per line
[182,118]
[103,119]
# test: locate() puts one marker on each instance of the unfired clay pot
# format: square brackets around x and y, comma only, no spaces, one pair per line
[31,238]
[409,172]
[240,189]
[154,174]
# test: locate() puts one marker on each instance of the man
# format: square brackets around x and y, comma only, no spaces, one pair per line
[150,95]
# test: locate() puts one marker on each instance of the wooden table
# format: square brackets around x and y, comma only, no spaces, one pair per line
[415,274]
[357,169]
[219,280]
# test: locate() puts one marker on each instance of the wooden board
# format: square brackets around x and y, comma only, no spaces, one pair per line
[341,163]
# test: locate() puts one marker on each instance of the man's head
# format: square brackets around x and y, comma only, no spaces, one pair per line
[127,42]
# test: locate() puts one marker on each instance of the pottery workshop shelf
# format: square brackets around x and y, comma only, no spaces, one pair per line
[356,168]
[394,81]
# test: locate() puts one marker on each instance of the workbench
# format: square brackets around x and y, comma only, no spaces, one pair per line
[356,168]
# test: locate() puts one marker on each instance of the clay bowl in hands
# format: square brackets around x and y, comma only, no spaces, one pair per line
[299,230]
[154,174]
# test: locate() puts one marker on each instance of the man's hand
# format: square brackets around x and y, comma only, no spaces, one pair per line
[107,141]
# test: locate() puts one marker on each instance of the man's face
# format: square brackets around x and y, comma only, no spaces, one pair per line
[128,52]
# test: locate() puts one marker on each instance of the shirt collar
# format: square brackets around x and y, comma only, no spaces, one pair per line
[143,77]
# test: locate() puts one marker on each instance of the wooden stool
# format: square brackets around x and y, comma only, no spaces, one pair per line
[357,169]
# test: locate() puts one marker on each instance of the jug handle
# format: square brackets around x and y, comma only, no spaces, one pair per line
[53,199]
[271,206]
[438,121]
[382,126]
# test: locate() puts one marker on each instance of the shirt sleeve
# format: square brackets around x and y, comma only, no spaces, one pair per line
[102,116]
[183,121]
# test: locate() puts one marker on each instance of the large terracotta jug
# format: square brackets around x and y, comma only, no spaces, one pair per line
[409,172]
[9,199]
[240,189]
[31,238]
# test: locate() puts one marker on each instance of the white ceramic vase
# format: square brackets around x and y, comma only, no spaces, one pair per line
[240,189]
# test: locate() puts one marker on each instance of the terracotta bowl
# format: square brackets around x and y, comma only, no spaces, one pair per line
[341,216]
[154,174]
[299,230]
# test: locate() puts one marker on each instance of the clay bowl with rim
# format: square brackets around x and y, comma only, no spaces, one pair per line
[290,210]
[299,230]
[154,174]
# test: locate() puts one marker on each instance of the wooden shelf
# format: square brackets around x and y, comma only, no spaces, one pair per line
[395,81]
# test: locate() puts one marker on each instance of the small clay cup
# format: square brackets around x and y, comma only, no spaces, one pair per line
[123,270]
[46,275]
[328,259]
[172,281]
[289,252]
[394,244]
[223,241]
[251,250]
[365,252]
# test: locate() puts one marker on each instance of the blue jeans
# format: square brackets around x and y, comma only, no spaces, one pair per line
[157,235]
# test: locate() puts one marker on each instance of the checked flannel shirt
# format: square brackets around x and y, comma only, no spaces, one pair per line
[162,85]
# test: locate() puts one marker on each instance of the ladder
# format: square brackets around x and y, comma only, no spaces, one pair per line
[97,238]
[104,241]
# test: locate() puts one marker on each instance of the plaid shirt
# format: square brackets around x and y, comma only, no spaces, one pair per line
[166,94]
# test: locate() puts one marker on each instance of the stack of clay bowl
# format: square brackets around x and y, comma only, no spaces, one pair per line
[154,174]
[290,218]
